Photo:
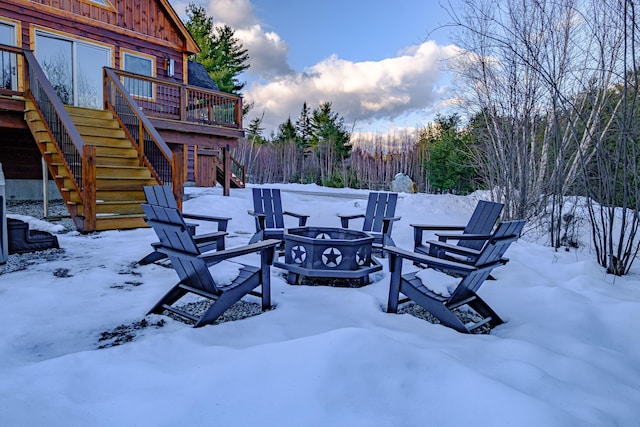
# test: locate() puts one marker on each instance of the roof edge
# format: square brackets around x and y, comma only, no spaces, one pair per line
[192,46]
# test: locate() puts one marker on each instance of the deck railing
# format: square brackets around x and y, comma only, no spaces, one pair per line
[149,142]
[169,100]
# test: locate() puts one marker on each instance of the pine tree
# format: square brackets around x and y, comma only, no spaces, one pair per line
[327,126]
[286,133]
[303,127]
[221,52]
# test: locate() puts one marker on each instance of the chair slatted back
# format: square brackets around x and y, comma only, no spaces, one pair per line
[160,195]
[379,206]
[178,244]
[482,220]
[267,201]
[506,233]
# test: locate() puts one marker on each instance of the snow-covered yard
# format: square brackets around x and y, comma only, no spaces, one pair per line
[568,354]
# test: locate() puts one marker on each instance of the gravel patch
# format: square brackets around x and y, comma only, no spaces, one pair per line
[58,213]
[465,315]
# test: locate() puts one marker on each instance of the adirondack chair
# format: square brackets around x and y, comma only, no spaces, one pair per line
[461,253]
[442,306]
[482,221]
[269,216]
[193,268]
[378,219]
[161,195]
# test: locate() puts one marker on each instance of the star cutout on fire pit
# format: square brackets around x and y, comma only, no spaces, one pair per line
[323,236]
[331,257]
[361,256]
[299,254]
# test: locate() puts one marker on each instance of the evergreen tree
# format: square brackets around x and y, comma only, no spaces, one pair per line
[327,126]
[448,165]
[221,53]
[286,132]
[254,132]
[303,127]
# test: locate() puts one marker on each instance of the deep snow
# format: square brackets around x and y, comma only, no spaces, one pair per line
[568,354]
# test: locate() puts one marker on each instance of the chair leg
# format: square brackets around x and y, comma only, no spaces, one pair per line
[169,298]
[152,257]
[483,309]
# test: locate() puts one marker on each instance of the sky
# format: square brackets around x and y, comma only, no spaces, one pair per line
[381,64]
[567,355]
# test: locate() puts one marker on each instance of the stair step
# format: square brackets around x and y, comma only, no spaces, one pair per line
[107,141]
[88,112]
[118,171]
[88,131]
[114,222]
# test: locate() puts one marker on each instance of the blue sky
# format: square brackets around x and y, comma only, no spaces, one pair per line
[380,63]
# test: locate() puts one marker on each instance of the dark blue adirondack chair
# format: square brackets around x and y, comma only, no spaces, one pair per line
[269,216]
[461,253]
[193,271]
[465,294]
[161,195]
[378,219]
[481,223]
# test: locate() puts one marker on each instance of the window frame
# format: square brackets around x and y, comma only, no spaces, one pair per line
[152,59]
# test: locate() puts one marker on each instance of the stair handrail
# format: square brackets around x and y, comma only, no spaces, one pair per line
[154,150]
[56,118]
[238,169]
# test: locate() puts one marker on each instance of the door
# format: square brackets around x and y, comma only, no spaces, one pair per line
[74,68]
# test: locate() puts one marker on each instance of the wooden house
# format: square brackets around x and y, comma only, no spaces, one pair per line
[101,92]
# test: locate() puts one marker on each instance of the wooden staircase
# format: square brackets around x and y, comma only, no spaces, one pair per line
[119,171]
[236,180]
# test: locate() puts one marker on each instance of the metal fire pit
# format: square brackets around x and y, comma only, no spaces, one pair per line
[325,252]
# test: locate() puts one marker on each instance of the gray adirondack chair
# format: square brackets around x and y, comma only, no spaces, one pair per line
[378,219]
[269,216]
[465,294]
[481,223]
[193,271]
[161,195]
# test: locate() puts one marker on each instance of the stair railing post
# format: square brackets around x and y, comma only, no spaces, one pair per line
[178,173]
[89,187]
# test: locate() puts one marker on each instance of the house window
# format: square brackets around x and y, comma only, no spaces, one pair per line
[8,61]
[73,67]
[102,2]
[139,65]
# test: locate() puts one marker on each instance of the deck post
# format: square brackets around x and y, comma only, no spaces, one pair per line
[227,170]
[89,187]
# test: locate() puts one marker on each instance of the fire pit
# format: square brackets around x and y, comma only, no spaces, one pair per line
[325,252]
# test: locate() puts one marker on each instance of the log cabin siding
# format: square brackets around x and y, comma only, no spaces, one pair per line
[147,28]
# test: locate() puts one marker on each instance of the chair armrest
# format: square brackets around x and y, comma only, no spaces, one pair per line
[260,218]
[302,218]
[222,221]
[418,230]
[344,219]
[436,248]
[444,237]
[261,246]
[387,222]
[446,265]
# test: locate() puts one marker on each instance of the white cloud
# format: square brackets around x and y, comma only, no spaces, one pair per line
[399,91]
[359,91]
